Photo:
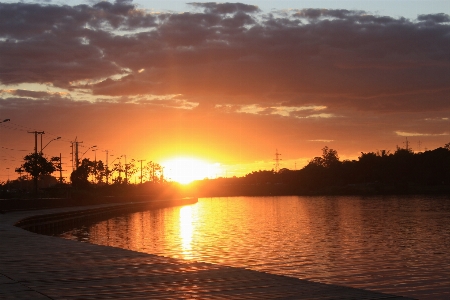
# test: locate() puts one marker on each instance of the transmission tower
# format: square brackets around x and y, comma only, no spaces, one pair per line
[277,161]
[406,142]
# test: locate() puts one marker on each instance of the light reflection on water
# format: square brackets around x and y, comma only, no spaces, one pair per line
[394,245]
[186,231]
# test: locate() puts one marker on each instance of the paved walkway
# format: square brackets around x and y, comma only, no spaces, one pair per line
[35,266]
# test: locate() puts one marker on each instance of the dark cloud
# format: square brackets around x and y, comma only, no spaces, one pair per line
[314,13]
[27,93]
[225,8]
[435,18]
[231,53]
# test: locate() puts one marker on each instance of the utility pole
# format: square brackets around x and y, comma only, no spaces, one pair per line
[35,178]
[71,145]
[77,161]
[107,170]
[60,169]
[126,169]
[35,140]
[95,165]
[41,140]
[141,160]
[277,161]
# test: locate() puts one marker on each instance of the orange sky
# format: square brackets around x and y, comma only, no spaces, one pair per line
[226,83]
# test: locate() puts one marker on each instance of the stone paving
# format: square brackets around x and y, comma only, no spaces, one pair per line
[34,266]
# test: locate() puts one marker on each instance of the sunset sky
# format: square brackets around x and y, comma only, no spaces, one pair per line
[227,83]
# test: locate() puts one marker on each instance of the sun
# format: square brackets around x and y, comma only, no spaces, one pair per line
[185,169]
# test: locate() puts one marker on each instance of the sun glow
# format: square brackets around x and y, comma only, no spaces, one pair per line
[185,170]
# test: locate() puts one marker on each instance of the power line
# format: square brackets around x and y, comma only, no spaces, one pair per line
[13,149]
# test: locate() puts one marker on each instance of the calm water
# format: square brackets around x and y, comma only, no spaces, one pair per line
[394,245]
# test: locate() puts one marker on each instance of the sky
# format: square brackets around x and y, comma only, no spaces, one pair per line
[227,83]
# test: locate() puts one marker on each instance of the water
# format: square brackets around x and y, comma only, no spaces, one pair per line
[395,245]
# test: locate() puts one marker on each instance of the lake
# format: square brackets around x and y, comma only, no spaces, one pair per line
[397,245]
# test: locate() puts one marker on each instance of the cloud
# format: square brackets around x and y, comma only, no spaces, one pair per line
[339,57]
[32,94]
[314,13]
[225,8]
[351,59]
[321,141]
[435,18]
[371,75]
[401,133]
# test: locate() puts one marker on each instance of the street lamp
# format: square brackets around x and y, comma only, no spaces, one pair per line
[57,138]
[87,150]
[117,158]
[95,165]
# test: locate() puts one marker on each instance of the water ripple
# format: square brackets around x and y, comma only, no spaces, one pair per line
[395,245]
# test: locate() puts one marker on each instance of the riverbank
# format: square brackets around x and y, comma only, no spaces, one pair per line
[228,187]
[87,200]
[44,267]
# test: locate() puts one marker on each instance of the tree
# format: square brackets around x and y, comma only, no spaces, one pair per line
[37,165]
[154,172]
[79,177]
[119,168]
[130,170]
[99,171]
[330,157]
[316,162]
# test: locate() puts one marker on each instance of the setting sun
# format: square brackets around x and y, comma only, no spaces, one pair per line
[185,170]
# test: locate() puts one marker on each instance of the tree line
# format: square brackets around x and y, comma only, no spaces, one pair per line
[35,173]
[380,172]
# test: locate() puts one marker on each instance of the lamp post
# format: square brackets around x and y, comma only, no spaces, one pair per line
[95,164]
[126,170]
[141,160]
[88,150]
[118,157]
[106,166]
[57,138]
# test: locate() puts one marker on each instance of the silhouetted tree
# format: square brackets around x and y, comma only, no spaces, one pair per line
[79,177]
[119,168]
[153,171]
[36,165]
[130,170]
[99,171]
[329,157]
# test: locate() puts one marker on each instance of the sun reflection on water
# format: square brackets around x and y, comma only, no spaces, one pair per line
[186,231]
[393,244]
